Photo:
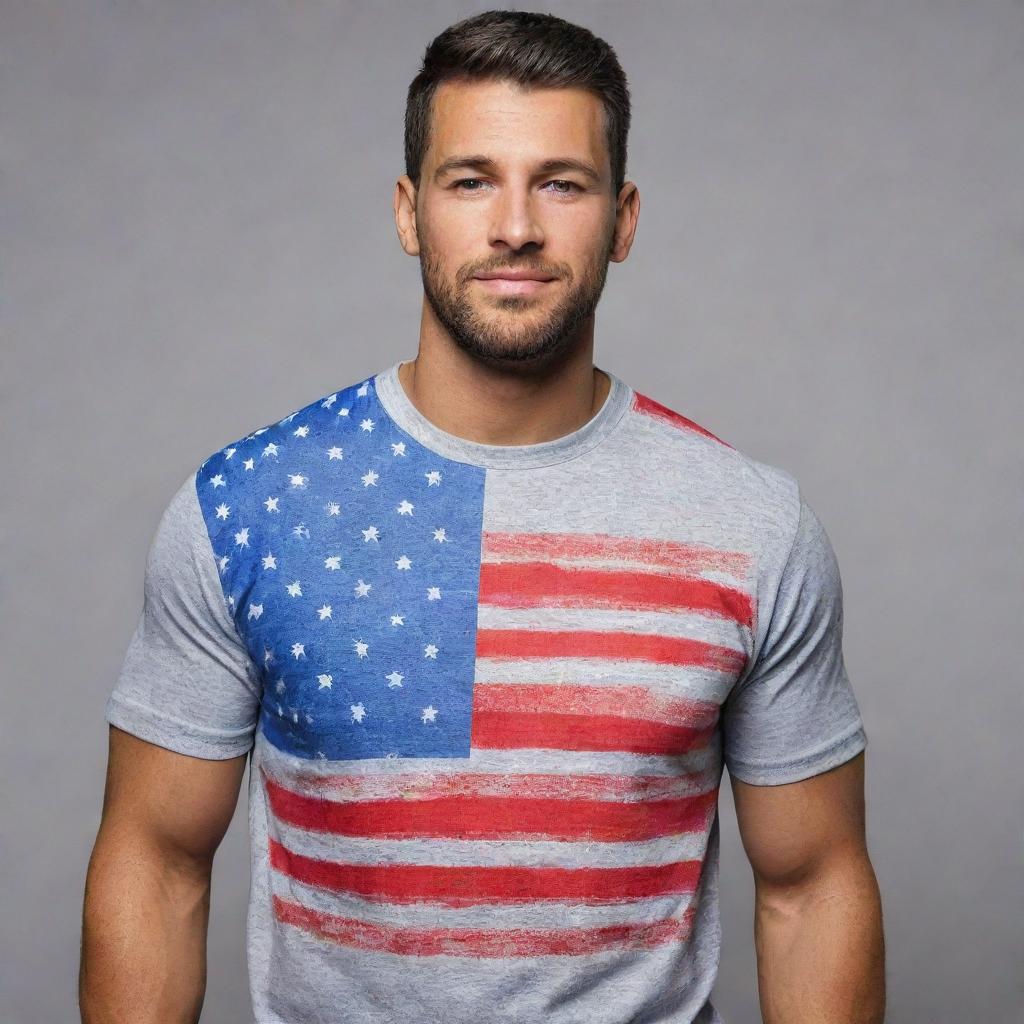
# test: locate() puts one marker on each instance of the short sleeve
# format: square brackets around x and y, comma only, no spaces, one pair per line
[794,714]
[187,682]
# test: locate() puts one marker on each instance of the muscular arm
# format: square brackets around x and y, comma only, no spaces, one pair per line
[818,916]
[147,892]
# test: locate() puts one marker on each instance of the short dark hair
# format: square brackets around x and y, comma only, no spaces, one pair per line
[528,48]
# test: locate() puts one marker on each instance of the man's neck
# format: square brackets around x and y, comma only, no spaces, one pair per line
[479,403]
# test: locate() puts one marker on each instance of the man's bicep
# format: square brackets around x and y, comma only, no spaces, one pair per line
[187,682]
[175,806]
[793,832]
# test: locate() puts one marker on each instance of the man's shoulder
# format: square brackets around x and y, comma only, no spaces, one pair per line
[706,460]
[324,419]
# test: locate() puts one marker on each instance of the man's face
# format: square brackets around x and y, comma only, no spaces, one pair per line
[515,181]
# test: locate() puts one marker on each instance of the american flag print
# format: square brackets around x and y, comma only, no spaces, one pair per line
[473,741]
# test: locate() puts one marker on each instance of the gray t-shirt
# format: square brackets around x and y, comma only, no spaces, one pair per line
[489,692]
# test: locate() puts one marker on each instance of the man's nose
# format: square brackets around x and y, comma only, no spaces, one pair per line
[515,221]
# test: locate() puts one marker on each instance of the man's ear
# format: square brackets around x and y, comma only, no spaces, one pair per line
[627,210]
[405,215]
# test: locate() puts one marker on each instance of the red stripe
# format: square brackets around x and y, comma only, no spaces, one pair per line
[468,817]
[472,885]
[577,643]
[536,584]
[482,942]
[655,552]
[649,407]
[497,730]
[623,701]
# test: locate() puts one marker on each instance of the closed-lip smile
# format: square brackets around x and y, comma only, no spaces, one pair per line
[513,275]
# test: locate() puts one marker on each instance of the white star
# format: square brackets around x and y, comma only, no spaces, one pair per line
[268,655]
[433,593]
[299,650]
[329,401]
[429,714]
[288,418]
[333,508]
[334,453]
[405,508]
[397,620]
[439,535]
[242,537]
[223,562]
[301,431]
[332,562]
[366,424]
[271,449]
[255,611]
[297,479]
[294,590]
[358,712]
[271,504]
[363,388]
[398,448]
[394,679]
[228,452]
[324,681]
[302,530]
[223,510]
[403,562]
[343,412]
[362,589]
[371,533]
[280,687]
[218,481]
[430,651]
[433,478]
[324,611]
[249,463]
[269,561]
[361,648]
[369,477]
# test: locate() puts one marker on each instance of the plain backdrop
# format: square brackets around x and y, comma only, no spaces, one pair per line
[197,239]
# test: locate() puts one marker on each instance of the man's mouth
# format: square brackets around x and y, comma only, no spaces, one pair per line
[513,282]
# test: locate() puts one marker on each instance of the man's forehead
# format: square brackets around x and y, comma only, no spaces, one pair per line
[503,119]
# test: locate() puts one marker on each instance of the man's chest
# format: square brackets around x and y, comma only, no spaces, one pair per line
[411,606]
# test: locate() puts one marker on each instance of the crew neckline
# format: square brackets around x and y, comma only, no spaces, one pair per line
[399,407]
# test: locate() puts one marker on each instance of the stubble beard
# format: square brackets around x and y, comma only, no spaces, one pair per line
[520,336]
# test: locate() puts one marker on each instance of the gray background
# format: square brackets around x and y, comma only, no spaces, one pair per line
[197,239]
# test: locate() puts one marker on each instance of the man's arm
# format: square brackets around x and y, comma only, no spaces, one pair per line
[818,915]
[147,892]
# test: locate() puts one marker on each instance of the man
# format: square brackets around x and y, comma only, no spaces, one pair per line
[490,623]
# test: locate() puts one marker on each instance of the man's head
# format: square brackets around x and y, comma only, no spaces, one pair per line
[515,149]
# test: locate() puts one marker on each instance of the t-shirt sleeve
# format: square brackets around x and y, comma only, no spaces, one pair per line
[794,714]
[187,682]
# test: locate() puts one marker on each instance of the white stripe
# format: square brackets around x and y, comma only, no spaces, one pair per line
[695,625]
[564,762]
[490,853]
[636,565]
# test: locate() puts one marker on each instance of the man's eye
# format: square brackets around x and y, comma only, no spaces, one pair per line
[466,181]
[565,191]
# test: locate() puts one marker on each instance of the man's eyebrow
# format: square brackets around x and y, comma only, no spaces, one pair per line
[483,163]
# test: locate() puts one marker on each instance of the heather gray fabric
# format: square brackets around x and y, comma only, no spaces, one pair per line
[738,656]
